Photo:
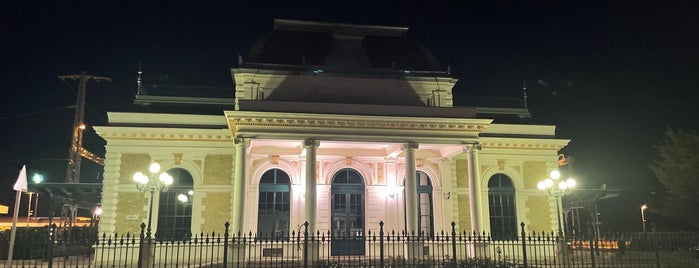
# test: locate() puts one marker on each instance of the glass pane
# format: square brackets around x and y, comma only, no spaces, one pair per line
[340,177]
[268,177]
[503,220]
[282,177]
[423,179]
[354,177]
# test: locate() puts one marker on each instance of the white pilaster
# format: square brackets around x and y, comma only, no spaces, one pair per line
[311,202]
[474,186]
[411,196]
[239,184]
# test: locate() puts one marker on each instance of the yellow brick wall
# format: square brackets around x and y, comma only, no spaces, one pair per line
[216,212]
[131,203]
[534,172]
[539,214]
[219,169]
[130,164]
[461,173]
[464,214]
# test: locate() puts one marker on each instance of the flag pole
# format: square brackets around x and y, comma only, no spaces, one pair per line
[13,233]
[20,186]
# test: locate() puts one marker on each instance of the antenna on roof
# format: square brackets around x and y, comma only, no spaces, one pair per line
[524,93]
[240,59]
[449,69]
[138,81]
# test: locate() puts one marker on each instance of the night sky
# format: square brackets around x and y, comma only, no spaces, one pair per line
[612,75]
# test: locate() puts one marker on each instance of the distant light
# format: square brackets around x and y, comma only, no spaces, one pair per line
[37,178]
[98,211]
[190,192]
[81,126]
[406,72]
[318,71]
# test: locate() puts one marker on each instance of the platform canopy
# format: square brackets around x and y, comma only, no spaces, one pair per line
[81,194]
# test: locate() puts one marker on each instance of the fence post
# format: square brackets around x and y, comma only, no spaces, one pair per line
[453,243]
[305,244]
[592,233]
[52,239]
[140,246]
[524,244]
[381,244]
[225,245]
[655,245]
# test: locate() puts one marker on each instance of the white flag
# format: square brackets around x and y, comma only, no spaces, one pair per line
[21,184]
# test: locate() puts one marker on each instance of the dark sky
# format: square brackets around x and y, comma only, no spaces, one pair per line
[611,74]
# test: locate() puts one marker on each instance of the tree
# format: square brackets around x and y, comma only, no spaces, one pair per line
[677,167]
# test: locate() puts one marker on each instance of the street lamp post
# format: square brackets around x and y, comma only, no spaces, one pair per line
[37,178]
[557,188]
[156,182]
[643,216]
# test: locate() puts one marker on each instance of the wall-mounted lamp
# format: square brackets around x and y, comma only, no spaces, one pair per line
[447,195]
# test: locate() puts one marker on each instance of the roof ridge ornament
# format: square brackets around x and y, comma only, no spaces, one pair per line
[139,82]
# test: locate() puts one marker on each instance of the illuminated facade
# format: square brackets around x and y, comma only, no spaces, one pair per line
[339,125]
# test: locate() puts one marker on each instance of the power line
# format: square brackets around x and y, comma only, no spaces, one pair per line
[98,114]
[34,160]
[36,113]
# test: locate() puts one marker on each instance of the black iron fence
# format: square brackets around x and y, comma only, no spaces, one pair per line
[381,248]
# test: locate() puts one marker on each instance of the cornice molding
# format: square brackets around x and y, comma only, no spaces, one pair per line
[519,143]
[125,118]
[239,120]
[159,134]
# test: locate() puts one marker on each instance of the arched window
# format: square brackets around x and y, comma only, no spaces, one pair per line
[347,215]
[424,208]
[273,208]
[175,215]
[501,202]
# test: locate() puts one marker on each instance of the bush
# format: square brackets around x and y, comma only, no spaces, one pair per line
[33,242]
[30,243]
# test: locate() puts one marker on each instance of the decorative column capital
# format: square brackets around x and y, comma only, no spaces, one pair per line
[411,145]
[473,147]
[311,143]
[239,141]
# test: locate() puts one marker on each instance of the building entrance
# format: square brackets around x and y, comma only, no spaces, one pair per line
[347,214]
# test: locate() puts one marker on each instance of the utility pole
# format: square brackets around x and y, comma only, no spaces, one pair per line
[76,151]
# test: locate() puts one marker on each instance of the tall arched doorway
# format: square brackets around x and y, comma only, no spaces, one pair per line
[274,206]
[347,216]
[425,206]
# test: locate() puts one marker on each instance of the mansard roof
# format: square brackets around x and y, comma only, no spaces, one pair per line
[351,46]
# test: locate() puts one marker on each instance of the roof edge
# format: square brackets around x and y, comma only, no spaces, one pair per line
[327,27]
